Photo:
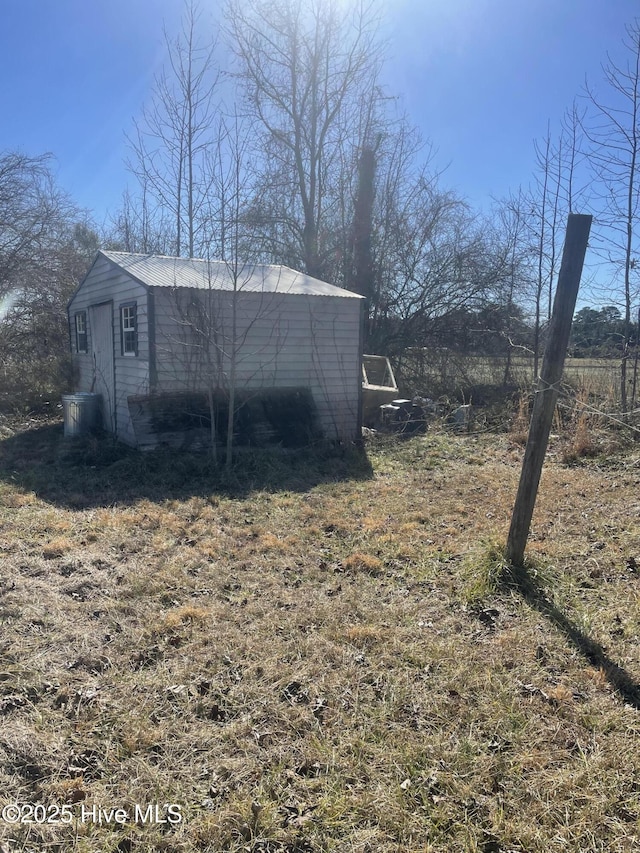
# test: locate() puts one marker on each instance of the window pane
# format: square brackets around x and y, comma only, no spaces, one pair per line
[128,323]
[81,331]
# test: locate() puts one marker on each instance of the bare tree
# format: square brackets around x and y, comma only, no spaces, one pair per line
[138,227]
[306,68]
[171,144]
[613,129]
[544,214]
[217,321]
[429,256]
[233,183]
[556,190]
[31,211]
[45,246]
[574,183]
[513,286]
[229,336]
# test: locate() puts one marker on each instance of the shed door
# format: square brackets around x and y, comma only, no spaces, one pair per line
[101,319]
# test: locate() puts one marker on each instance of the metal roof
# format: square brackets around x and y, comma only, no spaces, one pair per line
[164,271]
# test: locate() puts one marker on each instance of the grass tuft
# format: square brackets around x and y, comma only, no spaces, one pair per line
[487,573]
[366,563]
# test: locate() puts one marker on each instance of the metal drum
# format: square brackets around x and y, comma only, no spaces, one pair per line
[81,413]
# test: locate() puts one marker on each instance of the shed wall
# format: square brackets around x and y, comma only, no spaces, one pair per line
[281,340]
[105,282]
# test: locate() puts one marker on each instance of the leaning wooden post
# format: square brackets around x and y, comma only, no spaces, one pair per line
[546,394]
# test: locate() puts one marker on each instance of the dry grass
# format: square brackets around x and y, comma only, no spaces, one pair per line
[319,655]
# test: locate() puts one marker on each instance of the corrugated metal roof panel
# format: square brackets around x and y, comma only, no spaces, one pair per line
[163,271]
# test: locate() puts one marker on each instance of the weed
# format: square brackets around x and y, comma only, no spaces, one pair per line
[520,423]
[581,442]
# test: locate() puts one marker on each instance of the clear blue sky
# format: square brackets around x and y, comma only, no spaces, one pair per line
[479,77]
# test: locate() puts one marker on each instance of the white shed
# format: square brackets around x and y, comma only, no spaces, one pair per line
[147,328]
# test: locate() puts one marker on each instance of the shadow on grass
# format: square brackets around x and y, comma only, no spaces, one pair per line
[96,471]
[523,580]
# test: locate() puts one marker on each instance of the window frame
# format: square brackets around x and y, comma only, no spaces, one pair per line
[129,334]
[80,317]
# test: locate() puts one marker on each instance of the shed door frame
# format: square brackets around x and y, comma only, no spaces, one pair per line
[104,362]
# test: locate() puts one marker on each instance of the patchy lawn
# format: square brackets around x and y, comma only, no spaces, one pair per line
[318,653]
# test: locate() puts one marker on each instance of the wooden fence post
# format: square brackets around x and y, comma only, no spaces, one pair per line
[546,394]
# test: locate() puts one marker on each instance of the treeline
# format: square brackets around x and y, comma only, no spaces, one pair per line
[492,331]
[601,333]
[269,137]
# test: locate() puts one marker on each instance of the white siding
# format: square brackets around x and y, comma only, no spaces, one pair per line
[106,283]
[282,340]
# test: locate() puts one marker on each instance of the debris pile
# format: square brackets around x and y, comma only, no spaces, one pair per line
[405,416]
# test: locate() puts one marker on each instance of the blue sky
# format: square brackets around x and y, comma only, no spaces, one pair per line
[484,77]
[481,78]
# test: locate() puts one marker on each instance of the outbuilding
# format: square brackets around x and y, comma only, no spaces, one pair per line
[153,335]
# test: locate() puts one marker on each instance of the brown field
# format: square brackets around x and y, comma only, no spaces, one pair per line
[321,652]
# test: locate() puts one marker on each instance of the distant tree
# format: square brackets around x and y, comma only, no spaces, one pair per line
[432,261]
[598,333]
[585,332]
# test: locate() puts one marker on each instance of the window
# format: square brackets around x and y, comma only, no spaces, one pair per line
[129,328]
[81,331]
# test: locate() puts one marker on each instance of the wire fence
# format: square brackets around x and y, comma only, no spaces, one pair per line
[590,387]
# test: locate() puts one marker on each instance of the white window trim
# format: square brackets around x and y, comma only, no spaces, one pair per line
[126,352]
[81,315]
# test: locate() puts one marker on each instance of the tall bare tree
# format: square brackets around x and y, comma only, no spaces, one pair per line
[137,226]
[172,143]
[558,187]
[513,286]
[217,320]
[574,181]
[306,67]
[543,218]
[612,126]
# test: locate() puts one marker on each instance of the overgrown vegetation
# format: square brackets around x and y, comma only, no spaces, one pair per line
[45,246]
[319,651]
